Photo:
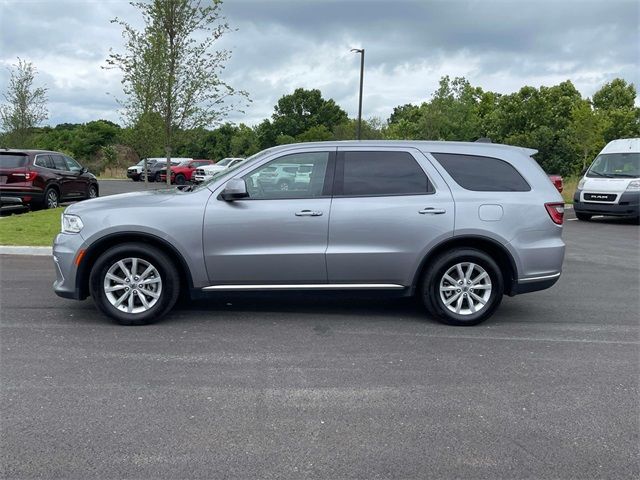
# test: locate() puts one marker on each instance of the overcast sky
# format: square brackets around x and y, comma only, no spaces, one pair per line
[284,44]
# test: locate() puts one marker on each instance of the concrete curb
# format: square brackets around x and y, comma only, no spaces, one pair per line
[41,251]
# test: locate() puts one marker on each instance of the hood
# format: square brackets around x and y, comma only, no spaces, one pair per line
[139,199]
[606,185]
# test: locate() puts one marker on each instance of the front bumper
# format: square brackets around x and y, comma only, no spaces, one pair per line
[628,205]
[65,251]
[133,174]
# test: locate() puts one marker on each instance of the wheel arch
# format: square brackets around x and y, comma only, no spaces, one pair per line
[491,247]
[95,249]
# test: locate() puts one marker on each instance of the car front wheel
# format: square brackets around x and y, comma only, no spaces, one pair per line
[134,284]
[92,192]
[462,287]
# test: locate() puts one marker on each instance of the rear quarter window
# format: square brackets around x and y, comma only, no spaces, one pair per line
[13,161]
[482,174]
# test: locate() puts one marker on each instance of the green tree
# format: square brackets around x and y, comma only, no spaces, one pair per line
[615,101]
[177,48]
[244,142]
[25,107]
[303,109]
[586,132]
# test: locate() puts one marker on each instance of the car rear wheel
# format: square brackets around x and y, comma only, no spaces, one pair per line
[585,217]
[180,179]
[51,198]
[158,178]
[462,287]
[134,284]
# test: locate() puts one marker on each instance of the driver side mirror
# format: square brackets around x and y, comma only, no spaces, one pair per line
[235,189]
[83,170]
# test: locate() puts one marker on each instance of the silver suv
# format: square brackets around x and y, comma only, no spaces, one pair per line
[458,224]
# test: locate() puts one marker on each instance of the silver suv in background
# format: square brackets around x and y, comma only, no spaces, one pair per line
[457,224]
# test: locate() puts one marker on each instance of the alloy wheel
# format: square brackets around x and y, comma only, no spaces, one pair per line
[465,288]
[132,285]
[52,199]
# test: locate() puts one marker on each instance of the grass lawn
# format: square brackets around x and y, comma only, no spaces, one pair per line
[34,229]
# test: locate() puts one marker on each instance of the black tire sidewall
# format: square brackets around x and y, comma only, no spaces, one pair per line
[180,179]
[165,266]
[94,187]
[431,293]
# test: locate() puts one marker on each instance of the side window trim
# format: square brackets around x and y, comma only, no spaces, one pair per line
[338,183]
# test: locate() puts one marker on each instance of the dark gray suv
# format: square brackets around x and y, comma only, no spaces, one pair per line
[459,224]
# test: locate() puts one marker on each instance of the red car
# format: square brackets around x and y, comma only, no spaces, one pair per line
[182,173]
[557,181]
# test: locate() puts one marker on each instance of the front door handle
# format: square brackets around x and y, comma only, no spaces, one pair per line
[432,211]
[308,213]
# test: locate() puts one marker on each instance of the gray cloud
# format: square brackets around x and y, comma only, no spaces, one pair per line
[281,45]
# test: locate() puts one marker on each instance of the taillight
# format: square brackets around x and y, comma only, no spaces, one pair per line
[556,212]
[30,176]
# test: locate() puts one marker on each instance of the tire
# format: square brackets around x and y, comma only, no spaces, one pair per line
[135,179]
[180,179]
[434,278]
[585,217]
[92,192]
[158,178]
[167,288]
[51,198]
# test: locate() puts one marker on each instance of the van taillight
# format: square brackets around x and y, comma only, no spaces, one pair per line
[556,212]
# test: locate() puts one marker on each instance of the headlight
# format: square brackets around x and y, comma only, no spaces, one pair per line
[634,186]
[71,223]
[581,183]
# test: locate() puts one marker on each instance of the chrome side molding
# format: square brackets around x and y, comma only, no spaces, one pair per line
[310,286]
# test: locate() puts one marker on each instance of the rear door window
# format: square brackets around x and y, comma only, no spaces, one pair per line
[375,173]
[59,162]
[482,174]
[13,161]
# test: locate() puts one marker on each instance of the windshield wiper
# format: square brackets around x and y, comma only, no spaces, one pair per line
[599,174]
[626,175]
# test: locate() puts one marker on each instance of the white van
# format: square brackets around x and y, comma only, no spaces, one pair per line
[611,185]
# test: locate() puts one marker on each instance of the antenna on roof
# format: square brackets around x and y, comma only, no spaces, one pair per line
[483,140]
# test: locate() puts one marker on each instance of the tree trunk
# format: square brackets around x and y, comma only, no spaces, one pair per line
[146,174]
[168,152]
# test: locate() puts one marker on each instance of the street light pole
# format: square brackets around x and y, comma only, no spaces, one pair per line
[361,52]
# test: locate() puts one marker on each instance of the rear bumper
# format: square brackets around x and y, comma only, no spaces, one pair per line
[529,285]
[628,206]
[19,196]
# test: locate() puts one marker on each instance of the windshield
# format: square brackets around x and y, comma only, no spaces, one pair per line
[182,164]
[616,165]
[233,168]
[224,161]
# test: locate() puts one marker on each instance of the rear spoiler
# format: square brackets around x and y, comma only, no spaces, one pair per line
[528,151]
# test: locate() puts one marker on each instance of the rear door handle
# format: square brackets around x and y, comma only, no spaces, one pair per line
[432,211]
[308,213]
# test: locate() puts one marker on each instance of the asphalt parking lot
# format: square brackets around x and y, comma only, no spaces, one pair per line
[309,386]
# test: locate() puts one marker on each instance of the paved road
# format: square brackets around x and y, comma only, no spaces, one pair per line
[303,386]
